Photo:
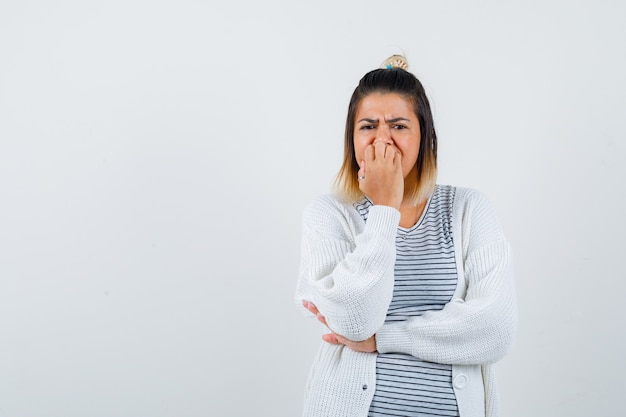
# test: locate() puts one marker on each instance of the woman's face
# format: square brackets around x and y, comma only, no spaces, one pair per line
[387,117]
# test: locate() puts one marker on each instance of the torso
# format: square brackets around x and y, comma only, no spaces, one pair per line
[425,280]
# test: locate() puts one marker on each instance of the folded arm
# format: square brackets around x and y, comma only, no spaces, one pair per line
[480,328]
[346,273]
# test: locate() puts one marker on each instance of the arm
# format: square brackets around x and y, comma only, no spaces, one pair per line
[481,328]
[348,275]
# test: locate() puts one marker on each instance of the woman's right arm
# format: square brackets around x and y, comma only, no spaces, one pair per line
[349,277]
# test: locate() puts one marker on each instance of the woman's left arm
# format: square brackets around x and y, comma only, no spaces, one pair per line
[480,328]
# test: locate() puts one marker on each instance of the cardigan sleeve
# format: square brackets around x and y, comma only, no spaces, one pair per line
[348,275]
[480,328]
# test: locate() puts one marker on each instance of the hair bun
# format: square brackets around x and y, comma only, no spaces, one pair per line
[396,61]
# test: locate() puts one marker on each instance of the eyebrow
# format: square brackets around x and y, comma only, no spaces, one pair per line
[398,119]
[394,120]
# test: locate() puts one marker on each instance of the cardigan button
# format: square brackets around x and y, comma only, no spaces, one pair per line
[460,381]
[364,387]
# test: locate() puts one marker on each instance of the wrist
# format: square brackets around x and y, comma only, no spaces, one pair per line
[388,203]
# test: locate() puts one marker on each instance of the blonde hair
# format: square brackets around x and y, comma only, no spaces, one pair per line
[393,77]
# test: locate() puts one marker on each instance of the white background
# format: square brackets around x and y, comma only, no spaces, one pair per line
[155,158]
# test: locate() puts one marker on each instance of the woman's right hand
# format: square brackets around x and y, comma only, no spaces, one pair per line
[368,345]
[380,175]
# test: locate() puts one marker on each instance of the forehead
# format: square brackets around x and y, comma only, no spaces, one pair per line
[386,105]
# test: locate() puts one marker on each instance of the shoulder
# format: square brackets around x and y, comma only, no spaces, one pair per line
[328,214]
[469,200]
[325,205]
[469,195]
[476,214]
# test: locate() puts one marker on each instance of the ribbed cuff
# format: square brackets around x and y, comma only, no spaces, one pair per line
[383,221]
[393,338]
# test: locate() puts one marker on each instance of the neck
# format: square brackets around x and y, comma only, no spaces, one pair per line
[410,213]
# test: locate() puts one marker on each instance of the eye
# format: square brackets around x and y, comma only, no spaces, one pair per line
[399,127]
[366,127]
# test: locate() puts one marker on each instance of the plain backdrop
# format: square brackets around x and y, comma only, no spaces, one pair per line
[155,158]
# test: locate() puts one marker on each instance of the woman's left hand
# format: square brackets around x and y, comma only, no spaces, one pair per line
[367,345]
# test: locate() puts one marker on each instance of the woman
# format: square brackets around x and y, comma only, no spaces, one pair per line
[412,279]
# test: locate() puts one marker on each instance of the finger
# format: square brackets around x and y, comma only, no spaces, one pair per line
[369,153]
[322,319]
[360,175]
[392,148]
[397,158]
[379,150]
[310,306]
[331,338]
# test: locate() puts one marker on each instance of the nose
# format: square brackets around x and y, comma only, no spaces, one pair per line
[383,134]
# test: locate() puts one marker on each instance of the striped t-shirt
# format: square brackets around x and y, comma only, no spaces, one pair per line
[425,280]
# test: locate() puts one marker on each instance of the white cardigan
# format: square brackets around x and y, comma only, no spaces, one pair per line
[347,271]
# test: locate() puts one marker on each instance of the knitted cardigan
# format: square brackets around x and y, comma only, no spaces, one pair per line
[347,271]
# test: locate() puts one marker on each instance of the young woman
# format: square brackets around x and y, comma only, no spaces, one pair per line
[412,279]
